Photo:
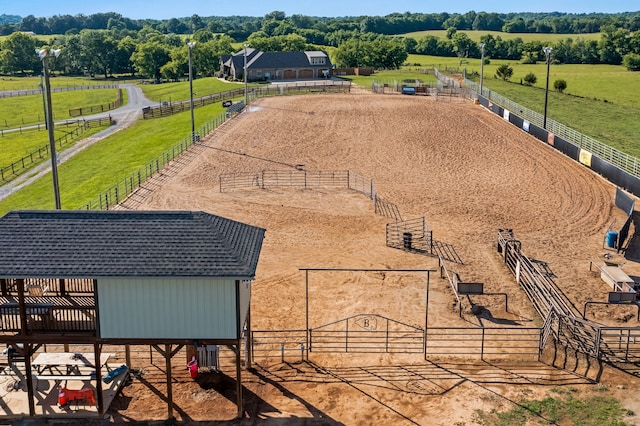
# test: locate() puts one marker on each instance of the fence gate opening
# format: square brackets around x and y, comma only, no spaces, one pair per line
[367,333]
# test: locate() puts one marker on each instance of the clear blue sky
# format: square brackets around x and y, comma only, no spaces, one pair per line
[163,9]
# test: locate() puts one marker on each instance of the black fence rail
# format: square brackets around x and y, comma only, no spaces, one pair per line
[374,334]
[620,344]
[18,167]
[166,109]
[578,334]
[410,235]
[387,209]
[76,112]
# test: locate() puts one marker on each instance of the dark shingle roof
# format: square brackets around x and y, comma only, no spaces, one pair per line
[65,244]
[283,59]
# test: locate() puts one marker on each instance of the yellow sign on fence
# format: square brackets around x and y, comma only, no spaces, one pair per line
[585,157]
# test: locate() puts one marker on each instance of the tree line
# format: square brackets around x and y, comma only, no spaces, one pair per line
[157,49]
[240,27]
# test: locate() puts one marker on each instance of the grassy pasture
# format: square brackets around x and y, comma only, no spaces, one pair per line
[97,168]
[32,82]
[43,37]
[15,145]
[28,110]
[526,37]
[179,91]
[18,145]
[612,83]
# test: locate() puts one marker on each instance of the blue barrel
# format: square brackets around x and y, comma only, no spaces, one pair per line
[612,239]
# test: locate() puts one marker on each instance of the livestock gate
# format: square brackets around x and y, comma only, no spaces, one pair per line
[371,332]
[562,321]
[297,177]
[411,235]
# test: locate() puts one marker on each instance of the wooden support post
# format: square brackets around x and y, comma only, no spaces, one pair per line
[167,358]
[239,380]
[98,365]
[27,352]
[21,307]
[127,355]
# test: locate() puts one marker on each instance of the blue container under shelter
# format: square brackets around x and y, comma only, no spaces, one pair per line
[612,239]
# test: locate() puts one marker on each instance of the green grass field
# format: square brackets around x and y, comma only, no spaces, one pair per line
[97,168]
[27,110]
[33,82]
[15,145]
[526,37]
[179,91]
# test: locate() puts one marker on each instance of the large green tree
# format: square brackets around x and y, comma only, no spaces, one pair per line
[18,54]
[149,57]
[99,50]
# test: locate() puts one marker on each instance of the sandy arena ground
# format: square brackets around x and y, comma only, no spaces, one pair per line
[463,168]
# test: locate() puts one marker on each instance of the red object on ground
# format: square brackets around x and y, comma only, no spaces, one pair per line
[62,397]
[84,394]
[193,367]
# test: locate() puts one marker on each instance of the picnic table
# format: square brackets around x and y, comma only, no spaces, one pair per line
[71,362]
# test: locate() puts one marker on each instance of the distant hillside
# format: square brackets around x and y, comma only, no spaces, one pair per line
[10,19]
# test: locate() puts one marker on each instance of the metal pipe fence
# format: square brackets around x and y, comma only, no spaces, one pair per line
[614,344]
[483,341]
[613,156]
[298,178]
[411,235]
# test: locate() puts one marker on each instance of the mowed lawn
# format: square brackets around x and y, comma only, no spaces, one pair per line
[179,91]
[22,111]
[15,145]
[33,82]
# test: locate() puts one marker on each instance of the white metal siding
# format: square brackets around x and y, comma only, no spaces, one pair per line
[245,299]
[171,308]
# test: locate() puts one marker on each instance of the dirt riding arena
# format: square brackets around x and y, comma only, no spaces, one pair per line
[469,173]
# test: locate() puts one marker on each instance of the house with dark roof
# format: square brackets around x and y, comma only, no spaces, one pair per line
[125,277]
[268,66]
